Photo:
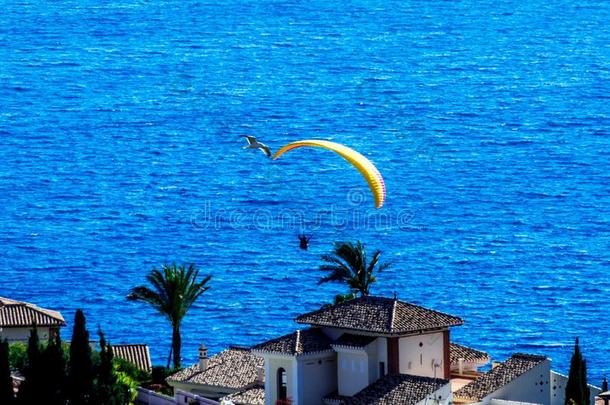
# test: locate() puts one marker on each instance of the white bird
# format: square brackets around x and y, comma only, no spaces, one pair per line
[254,144]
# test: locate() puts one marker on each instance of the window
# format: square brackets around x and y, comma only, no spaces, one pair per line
[282,391]
[381,369]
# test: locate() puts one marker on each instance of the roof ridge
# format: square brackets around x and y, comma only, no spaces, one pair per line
[393,316]
[528,356]
[297,342]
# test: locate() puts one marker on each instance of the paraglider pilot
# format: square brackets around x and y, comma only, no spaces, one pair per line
[304,241]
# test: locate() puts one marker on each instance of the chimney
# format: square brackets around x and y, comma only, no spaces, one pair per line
[260,375]
[203,357]
[604,394]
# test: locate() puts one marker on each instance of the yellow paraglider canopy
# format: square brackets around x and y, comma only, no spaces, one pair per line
[364,166]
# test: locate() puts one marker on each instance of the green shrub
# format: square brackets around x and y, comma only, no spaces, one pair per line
[18,356]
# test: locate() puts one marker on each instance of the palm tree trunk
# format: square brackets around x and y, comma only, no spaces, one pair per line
[176,344]
[169,358]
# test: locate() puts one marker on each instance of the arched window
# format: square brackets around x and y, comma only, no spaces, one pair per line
[282,392]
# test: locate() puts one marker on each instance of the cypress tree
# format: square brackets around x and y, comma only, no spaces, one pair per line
[54,364]
[6,382]
[29,392]
[105,379]
[80,369]
[577,390]
[586,392]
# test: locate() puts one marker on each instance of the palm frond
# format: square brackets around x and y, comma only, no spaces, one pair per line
[348,264]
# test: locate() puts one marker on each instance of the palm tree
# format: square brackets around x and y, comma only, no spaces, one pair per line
[347,264]
[173,290]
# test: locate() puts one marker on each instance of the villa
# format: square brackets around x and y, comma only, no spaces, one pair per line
[371,350]
[18,318]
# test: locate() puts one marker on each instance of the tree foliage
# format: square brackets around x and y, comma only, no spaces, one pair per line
[6,382]
[49,370]
[80,366]
[173,290]
[53,364]
[348,265]
[577,390]
[29,392]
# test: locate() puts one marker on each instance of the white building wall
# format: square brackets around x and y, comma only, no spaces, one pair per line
[23,334]
[439,397]
[382,351]
[558,389]
[505,402]
[352,372]
[373,363]
[272,365]
[419,353]
[533,386]
[467,366]
[318,377]
[201,389]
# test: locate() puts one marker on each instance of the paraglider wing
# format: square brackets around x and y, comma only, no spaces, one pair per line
[364,166]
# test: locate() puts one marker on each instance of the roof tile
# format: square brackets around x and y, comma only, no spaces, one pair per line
[301,342]
[236,368]
[250,396]
[393,389]
[137,354]
[380,315]
[499,376]
[23,314]
[457,352]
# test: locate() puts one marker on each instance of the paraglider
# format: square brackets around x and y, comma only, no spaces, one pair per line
[364,166]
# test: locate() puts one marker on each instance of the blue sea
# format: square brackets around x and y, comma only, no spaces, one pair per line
[121,150]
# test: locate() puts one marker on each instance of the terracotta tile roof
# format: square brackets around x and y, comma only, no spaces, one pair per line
[349,340]
[457,352]
[250,396]
[305,341]
[498,377]
[380,315]
[23,314]
[393,389]
[136,354]
[236,368]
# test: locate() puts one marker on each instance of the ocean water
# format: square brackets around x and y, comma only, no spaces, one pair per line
[120,127]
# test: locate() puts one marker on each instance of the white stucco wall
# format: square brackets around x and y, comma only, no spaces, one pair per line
[527,387]
[558,389]
[420,360]
[441,396]
[352,371]
[382,352]
[201,389]
[317,377]
[272,365]
[505,402]
[467,366]
[22,334]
